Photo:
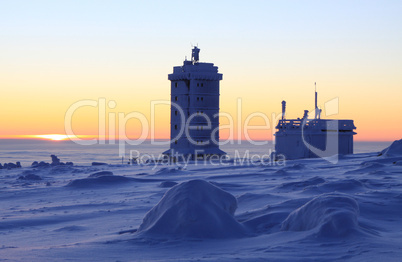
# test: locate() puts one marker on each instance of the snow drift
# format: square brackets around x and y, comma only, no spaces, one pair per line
[101,173]
[29,176]
[194,209]
[103,178]
[395,149]
[334,215]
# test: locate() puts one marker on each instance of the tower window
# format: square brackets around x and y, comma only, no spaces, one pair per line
[175,84]
[175,98]
[198,99]
[202,99]
[198,84]
[175,127]
[175,113]
[202,84]
[175,142]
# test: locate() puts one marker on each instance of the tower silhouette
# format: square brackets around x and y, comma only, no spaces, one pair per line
[194,120]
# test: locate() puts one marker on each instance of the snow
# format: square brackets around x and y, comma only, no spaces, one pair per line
[333,214]
[101,173]
[195,209]
[395,149]
[308,210]
[167,184]
[105,180]
[29,176]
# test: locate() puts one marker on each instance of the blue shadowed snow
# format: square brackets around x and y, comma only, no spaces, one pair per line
[194,209]
[334,215]
[308,210]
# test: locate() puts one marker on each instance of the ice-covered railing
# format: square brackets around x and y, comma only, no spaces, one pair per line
[344,125]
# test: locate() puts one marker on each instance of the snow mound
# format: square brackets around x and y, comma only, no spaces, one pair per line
[298,166]
[99,164]
[98,181]
[195,209]
[334,215]
[30,176]
[367,167]
[166,170]
[301,184]
[167,184]
[342,185]
[101,173]
[70,229]
[394,149]
[10,165]
[55,162]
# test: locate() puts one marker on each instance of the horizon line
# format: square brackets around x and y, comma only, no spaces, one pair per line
[26,137]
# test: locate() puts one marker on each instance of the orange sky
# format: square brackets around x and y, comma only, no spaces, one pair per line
[268,52]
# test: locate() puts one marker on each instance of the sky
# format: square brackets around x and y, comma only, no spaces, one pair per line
[55,54]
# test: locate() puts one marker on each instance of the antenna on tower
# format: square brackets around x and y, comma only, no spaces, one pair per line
[315,89]
[316,110]
[195,55]
[283,109]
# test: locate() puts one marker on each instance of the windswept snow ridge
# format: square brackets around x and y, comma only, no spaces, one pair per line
[332,214]
[308,210]
[395,149]
[194,209]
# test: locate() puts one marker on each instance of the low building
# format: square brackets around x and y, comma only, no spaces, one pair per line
[309,138]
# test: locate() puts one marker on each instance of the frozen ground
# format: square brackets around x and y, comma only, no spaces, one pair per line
[308,210]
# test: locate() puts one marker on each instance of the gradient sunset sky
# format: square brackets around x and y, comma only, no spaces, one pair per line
[55,53]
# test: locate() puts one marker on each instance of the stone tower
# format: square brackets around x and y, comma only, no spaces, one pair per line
[194,120]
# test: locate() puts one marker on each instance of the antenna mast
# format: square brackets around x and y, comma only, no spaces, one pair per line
[315,88]
[315,105]
[195,55]
[283,109]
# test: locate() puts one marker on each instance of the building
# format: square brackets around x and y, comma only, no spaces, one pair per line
[309,138]
[194,121]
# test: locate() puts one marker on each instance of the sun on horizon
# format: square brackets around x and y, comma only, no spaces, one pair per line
[53,137]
